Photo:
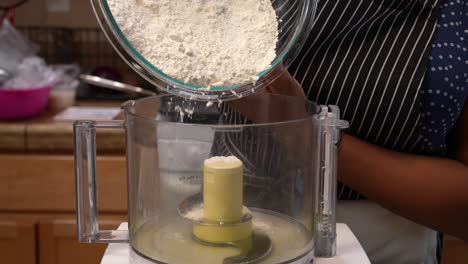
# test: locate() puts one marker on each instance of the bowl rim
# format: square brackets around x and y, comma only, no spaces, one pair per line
[309,116]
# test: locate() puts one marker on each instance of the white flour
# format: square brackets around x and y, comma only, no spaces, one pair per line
[202,42]
[226,160]
[196,214]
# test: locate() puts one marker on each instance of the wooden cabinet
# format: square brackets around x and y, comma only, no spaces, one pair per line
[18,242]
[58,243]
[49,239]
[455,251]
[37,208]
[46,183]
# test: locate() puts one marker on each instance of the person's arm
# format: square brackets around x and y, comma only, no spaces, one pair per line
[430,191]
[459,144]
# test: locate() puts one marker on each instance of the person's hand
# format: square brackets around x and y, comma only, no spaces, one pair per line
[268,106]
[285,84]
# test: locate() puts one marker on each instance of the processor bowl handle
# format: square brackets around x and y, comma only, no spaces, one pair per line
[331,128]
[84,133]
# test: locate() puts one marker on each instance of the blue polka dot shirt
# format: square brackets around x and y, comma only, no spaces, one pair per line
[445,87]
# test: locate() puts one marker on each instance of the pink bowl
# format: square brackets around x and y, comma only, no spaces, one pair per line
[23,103]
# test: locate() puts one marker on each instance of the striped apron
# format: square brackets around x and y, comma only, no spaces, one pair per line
[369,57]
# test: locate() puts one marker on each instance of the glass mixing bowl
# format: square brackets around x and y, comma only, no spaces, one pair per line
[295,22]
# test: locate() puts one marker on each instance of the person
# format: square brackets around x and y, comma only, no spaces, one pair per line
[398,72]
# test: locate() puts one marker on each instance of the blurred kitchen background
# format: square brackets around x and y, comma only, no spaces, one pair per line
[37,197]
[68,33]
[46,45]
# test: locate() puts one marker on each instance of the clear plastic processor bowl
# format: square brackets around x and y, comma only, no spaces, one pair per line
[288,147]
[295,21]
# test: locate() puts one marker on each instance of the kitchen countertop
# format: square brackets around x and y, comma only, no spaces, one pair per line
[349,251]
[44,134]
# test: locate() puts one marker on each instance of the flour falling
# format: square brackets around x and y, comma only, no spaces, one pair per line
[202,42]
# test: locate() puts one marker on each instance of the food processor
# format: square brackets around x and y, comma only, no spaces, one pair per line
[273,202]
[239,181]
